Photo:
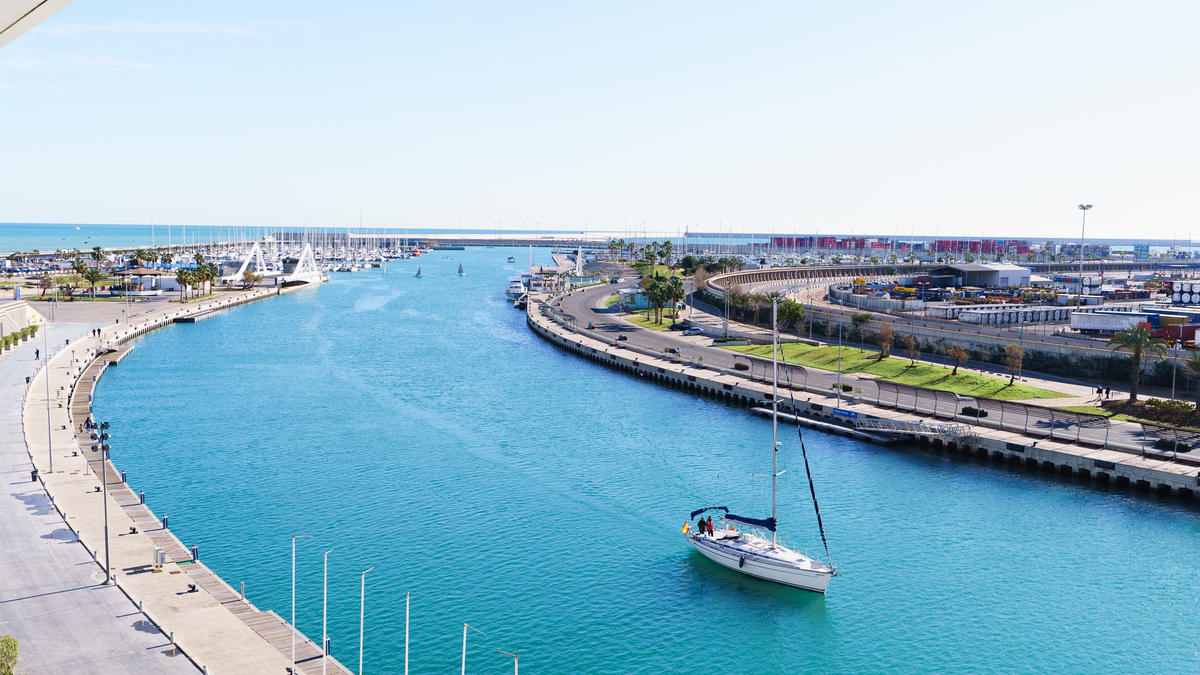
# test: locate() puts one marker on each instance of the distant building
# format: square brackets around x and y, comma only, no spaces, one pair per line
[991,275]
[633,298]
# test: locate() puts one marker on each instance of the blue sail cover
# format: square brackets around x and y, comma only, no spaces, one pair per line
[767,524]
[708,508]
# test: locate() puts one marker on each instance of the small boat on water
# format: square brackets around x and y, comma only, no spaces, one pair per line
[418,274]
[461,273]
[512,259]
[748,550]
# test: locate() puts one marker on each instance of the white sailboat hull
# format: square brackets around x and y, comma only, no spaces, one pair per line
[788,573]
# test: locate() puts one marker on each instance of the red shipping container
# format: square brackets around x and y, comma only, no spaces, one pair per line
[1186,333]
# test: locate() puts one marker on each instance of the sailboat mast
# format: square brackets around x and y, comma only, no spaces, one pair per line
[774,408]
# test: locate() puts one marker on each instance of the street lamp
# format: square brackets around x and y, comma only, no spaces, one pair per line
[1174,367]
[464,654]
[1082,229]
[294,538]
[515,671]
[362,606]
[103,448]
[325,617]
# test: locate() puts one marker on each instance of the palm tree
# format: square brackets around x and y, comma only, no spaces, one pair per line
[93,276]
[675,290]
[97,254]
[791,313]
[184,279]
[654,294]
[1193,364]
[1138,341]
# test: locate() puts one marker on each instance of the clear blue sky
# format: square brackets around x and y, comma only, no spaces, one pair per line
[797,116]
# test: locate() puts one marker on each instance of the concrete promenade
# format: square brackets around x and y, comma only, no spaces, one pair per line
[50,597]
[1093,455]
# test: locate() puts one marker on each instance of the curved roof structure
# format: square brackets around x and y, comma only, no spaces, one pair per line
[18,16]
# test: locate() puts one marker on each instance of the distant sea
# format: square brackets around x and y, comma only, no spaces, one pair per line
[57,236]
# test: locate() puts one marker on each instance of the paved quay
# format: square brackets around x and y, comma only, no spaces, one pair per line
[214,628]
[1106,453]
[50,597]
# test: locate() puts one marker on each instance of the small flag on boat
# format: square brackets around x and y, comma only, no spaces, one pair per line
[687,527]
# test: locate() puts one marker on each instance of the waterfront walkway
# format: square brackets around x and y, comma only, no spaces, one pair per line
[50,597]
[53,602]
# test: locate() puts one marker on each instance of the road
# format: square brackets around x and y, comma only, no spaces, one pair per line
[587,306]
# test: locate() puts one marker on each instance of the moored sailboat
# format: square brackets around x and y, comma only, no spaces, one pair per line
[749,551]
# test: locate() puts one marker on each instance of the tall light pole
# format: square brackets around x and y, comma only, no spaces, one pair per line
[515,670]
[1082,229]
[103,447]
[325,618]
[1174,367]
[464,655]
[362,608]
[49,433]
[294,538]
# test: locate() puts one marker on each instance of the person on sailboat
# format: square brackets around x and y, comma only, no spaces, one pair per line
[710,527]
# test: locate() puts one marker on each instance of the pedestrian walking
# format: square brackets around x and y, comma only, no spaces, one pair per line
[36,354]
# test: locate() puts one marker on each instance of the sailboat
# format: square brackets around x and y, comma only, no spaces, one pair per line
[748,550]
[460,272]
[418,274]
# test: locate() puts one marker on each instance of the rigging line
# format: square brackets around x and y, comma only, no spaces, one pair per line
[804,452]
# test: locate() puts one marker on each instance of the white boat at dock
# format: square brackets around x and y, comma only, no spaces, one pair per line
[516,288]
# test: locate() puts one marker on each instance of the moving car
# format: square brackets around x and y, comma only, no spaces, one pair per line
[678,326]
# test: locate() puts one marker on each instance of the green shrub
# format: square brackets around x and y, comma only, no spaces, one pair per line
[1170,444]
[9,648]
[972,411]
[741,365]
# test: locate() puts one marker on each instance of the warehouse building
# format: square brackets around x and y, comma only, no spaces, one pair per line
[993,275]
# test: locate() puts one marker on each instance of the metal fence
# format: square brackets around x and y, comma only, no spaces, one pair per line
[1029,419]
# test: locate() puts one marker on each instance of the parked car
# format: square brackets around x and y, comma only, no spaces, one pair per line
[678,326]
[693,331]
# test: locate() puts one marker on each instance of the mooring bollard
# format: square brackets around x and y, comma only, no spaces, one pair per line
[243,590]
[164,522]
[34,475]
[195,552]
[142,497]
[172,643]
[123,477]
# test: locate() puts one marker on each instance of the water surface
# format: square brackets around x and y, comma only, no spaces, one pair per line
[418,426]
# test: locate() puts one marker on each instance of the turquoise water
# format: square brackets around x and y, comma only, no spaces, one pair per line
[418,426]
